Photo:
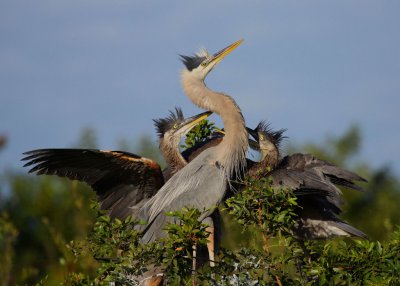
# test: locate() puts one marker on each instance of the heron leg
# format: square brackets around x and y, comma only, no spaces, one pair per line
[211,246]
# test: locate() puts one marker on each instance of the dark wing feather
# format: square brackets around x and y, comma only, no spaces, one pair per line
[332,172]
[297,179]
[313,182]
[318,219]
[306,183]
[324,229]
[122,181]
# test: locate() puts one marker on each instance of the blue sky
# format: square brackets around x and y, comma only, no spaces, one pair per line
[313,67]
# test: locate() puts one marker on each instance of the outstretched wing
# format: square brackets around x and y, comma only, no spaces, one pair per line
[122,181]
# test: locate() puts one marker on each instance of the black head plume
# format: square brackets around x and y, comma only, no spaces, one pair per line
[163,125]
[274,136]
[192,62]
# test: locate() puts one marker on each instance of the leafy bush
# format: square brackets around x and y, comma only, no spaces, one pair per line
[201,131]
[285,259]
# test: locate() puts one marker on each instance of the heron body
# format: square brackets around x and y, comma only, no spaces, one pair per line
[312,180]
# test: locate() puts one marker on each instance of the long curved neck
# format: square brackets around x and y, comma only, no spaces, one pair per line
[231,152]
[172,155]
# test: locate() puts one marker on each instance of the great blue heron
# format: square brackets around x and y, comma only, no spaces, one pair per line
[313,182]
[203,182]
[170,131]
[123,181]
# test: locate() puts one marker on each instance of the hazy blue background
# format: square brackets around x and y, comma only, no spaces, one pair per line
[314,67]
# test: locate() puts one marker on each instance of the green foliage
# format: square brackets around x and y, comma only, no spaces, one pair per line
[295,262]
[114,245]
[201,131]
[285,261]
[267,208]
[355,262]
[47,212]
[8,234]
[183,238]
[122,259]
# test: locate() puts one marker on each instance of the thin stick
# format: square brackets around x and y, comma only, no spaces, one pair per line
[194,262]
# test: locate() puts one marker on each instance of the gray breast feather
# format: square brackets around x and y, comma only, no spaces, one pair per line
[201,184]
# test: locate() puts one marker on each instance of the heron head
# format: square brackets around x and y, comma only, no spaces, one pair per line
[174,126]
[266,139]
[200,64]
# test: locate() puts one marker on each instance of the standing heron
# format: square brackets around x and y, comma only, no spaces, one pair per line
[123,181]
[203,182]
[312,181]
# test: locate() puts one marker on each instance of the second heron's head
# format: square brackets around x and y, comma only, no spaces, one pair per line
[171,129]
[200,64]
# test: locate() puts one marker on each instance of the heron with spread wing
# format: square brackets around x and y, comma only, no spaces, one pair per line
[123,181]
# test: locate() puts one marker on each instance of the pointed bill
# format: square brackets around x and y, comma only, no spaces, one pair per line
[218,56]
[190,122]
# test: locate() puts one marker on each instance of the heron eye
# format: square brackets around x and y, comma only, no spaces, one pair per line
[261,137]
[175,126]
[204,64]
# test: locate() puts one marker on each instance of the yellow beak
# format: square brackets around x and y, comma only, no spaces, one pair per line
[191,122]
[217,57]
